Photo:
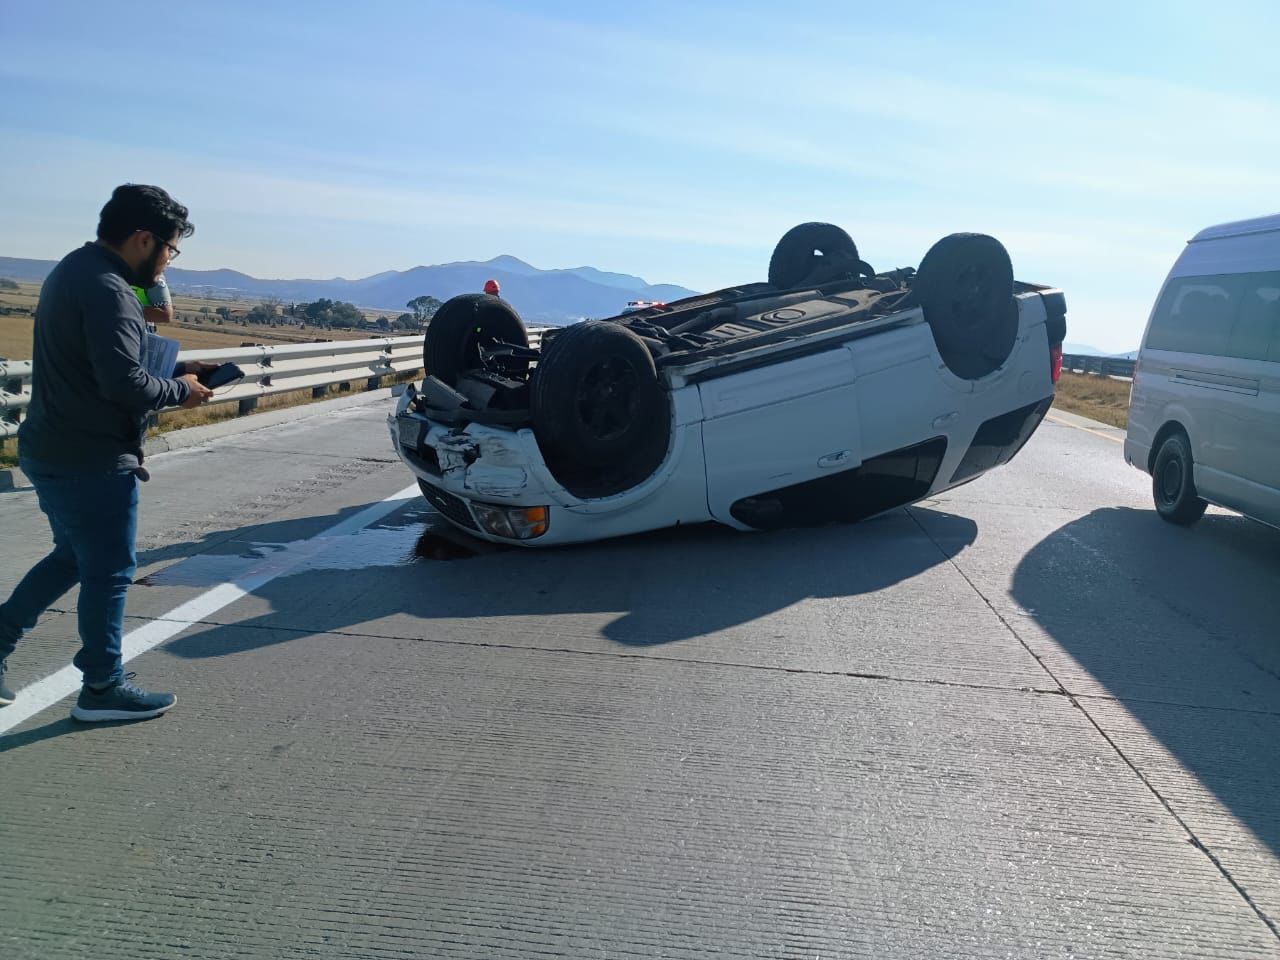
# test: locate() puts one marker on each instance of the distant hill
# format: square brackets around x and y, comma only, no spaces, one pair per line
[541,296]
[1082,349]
[1085,350]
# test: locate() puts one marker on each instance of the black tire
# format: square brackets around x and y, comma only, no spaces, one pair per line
[1173,485]
[597,401]
[965,287]
[461,327]
[806,248]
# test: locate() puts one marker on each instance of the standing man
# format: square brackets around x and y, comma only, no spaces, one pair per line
[81,442]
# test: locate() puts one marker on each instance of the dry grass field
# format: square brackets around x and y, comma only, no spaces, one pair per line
[192,328]
[1098,398]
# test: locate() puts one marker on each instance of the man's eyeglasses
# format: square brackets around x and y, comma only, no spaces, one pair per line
[173,251]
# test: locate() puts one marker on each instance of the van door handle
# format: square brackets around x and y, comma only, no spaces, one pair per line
[946,418]
[835,459]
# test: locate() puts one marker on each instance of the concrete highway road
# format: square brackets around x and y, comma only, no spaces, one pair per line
[1027,719]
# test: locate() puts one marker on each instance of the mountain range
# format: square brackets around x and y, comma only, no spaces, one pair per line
[540,296]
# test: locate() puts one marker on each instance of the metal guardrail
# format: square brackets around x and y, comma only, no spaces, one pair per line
[15,394]
[1102,366]
[279,368]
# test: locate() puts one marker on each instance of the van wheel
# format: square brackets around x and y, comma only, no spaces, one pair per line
[1173,483]
[806,248]
[461,327]
[965,288]
[597,402]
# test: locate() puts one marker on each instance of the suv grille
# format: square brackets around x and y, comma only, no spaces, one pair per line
[451,506]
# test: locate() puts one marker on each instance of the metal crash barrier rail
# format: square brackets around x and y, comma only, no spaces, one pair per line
[273,369]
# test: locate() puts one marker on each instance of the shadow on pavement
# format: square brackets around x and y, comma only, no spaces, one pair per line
[662,587]
[60,728]
[1181,625]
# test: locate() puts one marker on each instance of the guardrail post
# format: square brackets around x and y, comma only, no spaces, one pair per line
[318,392]
[248,405]
[374,383]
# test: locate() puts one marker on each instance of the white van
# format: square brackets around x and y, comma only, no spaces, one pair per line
[1204,417]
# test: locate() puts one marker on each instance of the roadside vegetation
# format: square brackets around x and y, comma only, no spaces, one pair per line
[1095,397]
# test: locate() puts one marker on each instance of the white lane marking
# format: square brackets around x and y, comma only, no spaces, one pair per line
[45,693]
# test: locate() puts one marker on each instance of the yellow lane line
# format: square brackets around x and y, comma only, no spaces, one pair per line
[1076,426]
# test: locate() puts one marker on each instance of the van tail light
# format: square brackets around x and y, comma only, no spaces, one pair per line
[1055,363]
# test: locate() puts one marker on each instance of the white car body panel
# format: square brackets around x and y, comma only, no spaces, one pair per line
[864,391]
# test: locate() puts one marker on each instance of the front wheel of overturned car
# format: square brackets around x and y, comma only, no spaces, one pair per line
[806,248]
[1173,485]
[463,326]
[965,288]
[598,406]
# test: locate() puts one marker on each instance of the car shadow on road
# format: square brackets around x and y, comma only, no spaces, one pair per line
[638,591]
[1180,626]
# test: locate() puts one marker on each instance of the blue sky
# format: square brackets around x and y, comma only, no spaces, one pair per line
[676,141]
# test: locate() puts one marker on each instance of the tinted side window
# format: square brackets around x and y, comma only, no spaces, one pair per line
[1230,315]
[1194,315]
[1256,334]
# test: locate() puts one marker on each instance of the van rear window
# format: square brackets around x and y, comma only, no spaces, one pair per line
[1227,315]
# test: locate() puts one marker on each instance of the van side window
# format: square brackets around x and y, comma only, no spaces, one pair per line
[1229,315]
[1256,334]
[1195,315]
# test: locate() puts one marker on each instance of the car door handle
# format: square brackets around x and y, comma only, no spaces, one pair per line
[835,459]
[946,418]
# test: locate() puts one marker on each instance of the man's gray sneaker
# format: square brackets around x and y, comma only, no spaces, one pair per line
[121,701]
[6,695]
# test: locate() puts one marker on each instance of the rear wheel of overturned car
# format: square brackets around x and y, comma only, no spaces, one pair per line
[462,327]
[1173,484]
[965,288]
[598,406]
[806,249]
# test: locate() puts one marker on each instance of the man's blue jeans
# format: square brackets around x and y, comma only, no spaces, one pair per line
[94,518]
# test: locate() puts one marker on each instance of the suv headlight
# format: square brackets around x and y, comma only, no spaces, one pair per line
[513,523]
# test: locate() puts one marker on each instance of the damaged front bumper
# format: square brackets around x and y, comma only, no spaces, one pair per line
[480,478]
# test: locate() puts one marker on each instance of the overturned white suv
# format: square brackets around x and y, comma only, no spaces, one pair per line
[831,393]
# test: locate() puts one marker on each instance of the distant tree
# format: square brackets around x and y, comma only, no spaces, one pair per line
[205,310]
[407,321]
[224,312]
[7,284]
[345,316]
[383,323]
[316,309]
[424,308]
[332,313]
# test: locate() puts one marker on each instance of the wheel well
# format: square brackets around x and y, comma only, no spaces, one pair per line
[1172,427]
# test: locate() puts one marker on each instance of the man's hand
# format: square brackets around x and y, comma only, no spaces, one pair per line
[199,392]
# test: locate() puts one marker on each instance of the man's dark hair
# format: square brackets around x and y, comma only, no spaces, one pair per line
[135,206]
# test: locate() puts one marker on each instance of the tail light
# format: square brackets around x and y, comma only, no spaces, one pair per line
[1055,363]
